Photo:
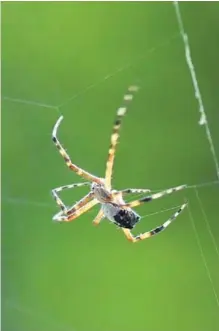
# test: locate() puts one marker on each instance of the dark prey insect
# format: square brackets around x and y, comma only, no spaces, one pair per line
[113,206]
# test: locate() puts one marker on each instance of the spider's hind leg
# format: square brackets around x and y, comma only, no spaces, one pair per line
[154,231]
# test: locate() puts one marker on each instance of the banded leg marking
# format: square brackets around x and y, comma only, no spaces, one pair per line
[154,196]
[115,134]
[65,187]
[67,159]
[154,231]
[65,213]
[60,217]
[80,203]
[132,191]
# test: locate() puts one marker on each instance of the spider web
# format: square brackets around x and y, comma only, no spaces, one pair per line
[203,121]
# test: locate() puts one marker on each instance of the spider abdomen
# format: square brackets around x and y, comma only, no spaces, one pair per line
[126,218]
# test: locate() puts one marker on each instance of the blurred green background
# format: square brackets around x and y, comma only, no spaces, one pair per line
[83,56]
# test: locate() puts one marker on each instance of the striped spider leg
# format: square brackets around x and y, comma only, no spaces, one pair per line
[76,169]
[66,213]
[65,187]
[154,231]
[131,190]
[76,210]
[135,203]
[115,134]
[84,204]
[154,196]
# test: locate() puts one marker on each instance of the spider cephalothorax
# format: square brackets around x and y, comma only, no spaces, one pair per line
[101,193]
[113,205]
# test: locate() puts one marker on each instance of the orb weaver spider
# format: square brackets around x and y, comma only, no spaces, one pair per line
[113,206]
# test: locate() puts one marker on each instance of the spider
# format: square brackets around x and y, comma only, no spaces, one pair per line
[113,206]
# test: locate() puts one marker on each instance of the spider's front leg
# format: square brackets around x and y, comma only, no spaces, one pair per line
[65,187]
[115,134]
[67,212]
[74,212]
[154,231]
[76,169]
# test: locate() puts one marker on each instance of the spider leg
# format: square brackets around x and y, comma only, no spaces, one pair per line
[74,212]
[68,211]
[65,187]
[154,231]
[98,218]
[132,190]
[154,196]
[115,134]
[67,159]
